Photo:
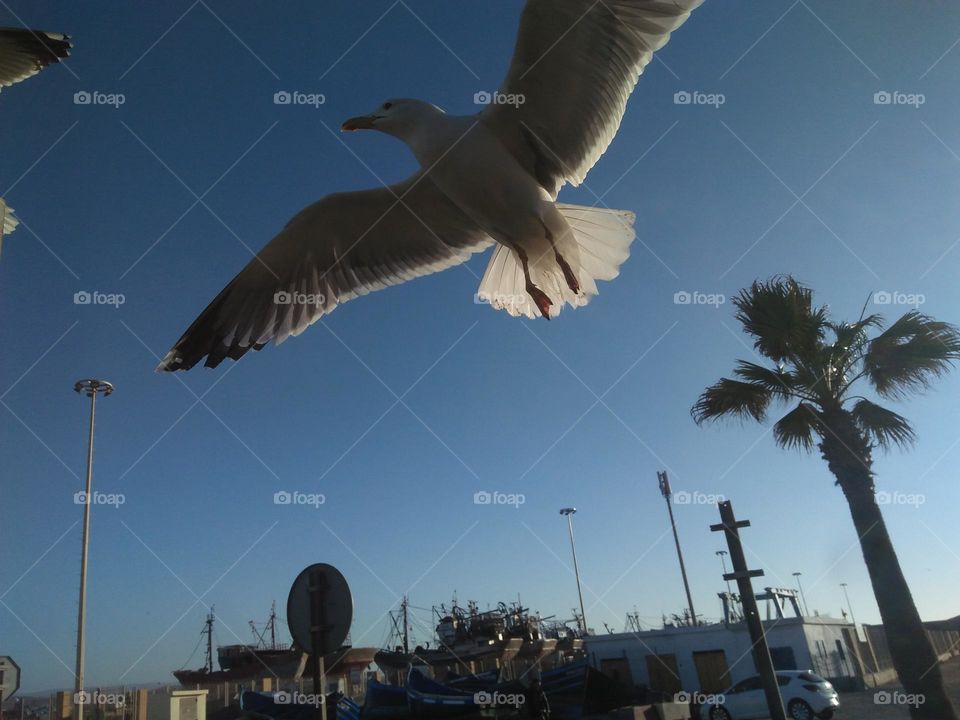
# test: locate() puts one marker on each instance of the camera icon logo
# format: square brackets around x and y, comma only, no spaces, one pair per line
[482,698]
[283,698]
[482,98]
[482,498]
[682,298]
[683,697]
[682,97]
[282,97]
[882,97]
[80,498]
[882,698]
[682,498]
[81,698]
[282,497]
[882,298]
[82,97]
[82,298]
[282,297]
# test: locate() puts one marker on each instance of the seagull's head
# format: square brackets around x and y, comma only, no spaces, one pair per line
[395,117]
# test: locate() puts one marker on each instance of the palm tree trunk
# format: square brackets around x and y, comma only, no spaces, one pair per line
[847,453]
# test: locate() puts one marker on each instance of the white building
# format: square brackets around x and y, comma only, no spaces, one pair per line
[710,658]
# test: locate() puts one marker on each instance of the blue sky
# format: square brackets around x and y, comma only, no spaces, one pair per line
[402,405]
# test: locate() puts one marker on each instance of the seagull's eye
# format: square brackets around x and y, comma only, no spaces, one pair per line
[387,106]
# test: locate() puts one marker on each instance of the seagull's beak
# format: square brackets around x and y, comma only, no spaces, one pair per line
[363,122]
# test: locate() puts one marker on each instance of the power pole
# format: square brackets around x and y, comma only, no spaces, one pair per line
[666,492]
[761,653]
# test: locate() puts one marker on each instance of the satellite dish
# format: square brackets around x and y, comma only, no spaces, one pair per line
[319,609]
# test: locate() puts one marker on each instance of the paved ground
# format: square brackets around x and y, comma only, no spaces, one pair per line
[861,706]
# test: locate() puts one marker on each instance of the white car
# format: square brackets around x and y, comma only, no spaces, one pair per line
[805,696]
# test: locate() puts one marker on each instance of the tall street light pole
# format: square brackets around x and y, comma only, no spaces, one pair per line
[806,608]
[91,388]
[666,492]
[569,511]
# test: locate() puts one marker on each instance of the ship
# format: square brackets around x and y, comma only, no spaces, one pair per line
[263,658]
[508,640]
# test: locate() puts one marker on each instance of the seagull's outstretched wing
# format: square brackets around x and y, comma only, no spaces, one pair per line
[574,67]
[26,52]
[345,245]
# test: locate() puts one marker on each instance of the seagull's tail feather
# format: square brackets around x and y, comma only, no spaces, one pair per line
[603,237]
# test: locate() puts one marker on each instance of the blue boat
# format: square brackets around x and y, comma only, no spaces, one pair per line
[384,701]
[429,699]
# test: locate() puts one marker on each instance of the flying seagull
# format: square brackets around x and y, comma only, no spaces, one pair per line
[24,53]
[489,179]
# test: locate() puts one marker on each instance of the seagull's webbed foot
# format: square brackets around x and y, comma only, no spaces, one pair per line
[544,303]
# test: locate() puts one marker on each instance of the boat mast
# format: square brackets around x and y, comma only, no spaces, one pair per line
[273,625]
[208,663]
[406,638]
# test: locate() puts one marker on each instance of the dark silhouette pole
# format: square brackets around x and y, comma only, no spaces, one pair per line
[761,653]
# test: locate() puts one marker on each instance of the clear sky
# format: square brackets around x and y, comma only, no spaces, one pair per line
[402,405]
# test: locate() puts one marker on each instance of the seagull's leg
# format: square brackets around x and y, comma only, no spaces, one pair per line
[539,296]
[568,273]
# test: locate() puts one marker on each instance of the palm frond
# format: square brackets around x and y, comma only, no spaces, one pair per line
[908,355]
[779,382]
[780,316]
[797,428]
[885,427]
[732,398]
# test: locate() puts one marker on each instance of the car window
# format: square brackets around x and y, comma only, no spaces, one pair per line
[783,680]
[810,677]
[751,683]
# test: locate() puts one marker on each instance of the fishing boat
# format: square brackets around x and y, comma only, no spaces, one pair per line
[430,699]
[244,661]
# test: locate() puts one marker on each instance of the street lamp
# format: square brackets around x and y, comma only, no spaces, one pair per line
[91,388]
[803,597]
[569,511]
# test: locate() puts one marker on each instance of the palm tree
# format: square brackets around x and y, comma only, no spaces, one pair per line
[816,366]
